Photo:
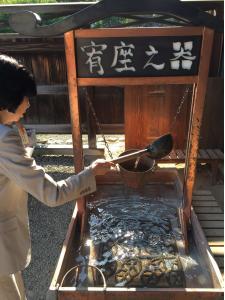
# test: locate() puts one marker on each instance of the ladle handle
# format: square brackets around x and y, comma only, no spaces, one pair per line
[128,156]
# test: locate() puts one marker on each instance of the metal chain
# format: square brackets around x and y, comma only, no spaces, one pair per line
[100,128]
[179,107]
[97,122]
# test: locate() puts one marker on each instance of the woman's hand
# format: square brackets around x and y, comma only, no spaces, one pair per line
[102,166]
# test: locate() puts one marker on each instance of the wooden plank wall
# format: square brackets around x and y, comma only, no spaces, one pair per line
[151,109]
[212,132]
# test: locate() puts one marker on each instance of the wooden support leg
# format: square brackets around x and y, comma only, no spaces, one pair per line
[196,120]
[74,110]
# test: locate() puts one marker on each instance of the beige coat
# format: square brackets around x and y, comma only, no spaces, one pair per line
[20,175]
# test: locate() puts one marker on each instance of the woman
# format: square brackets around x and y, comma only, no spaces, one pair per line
[19,175]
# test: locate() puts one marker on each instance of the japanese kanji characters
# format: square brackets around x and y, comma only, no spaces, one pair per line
[123,59]
[183,53]
[94,53]
[152,53]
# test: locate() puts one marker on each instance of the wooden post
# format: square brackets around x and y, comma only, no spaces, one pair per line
[196,119]
[189,132]
[73,100]
[74,109]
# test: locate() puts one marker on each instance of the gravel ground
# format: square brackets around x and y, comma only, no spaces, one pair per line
[48,229]
[116,142]
[48,226]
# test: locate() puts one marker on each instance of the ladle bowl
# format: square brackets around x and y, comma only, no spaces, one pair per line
[157,150]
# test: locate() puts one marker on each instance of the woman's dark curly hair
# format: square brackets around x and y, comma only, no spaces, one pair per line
[16,82]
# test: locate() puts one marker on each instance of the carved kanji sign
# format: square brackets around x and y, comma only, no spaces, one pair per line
[138,56]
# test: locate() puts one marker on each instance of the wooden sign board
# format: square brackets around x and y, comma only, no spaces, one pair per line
[136,56]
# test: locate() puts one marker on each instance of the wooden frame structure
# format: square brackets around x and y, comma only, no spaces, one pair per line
[199,90]
[30,24]
[187,214]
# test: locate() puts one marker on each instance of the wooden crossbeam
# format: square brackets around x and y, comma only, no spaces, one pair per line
[65,149]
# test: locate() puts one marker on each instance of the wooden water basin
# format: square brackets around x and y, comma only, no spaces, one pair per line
[201,277]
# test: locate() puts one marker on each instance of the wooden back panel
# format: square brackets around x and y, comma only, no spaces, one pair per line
[150,111]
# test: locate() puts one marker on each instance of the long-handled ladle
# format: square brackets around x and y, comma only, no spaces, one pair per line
[158,149]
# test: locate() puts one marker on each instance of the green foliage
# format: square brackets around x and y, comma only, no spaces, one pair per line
[111,22]
[4,23]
